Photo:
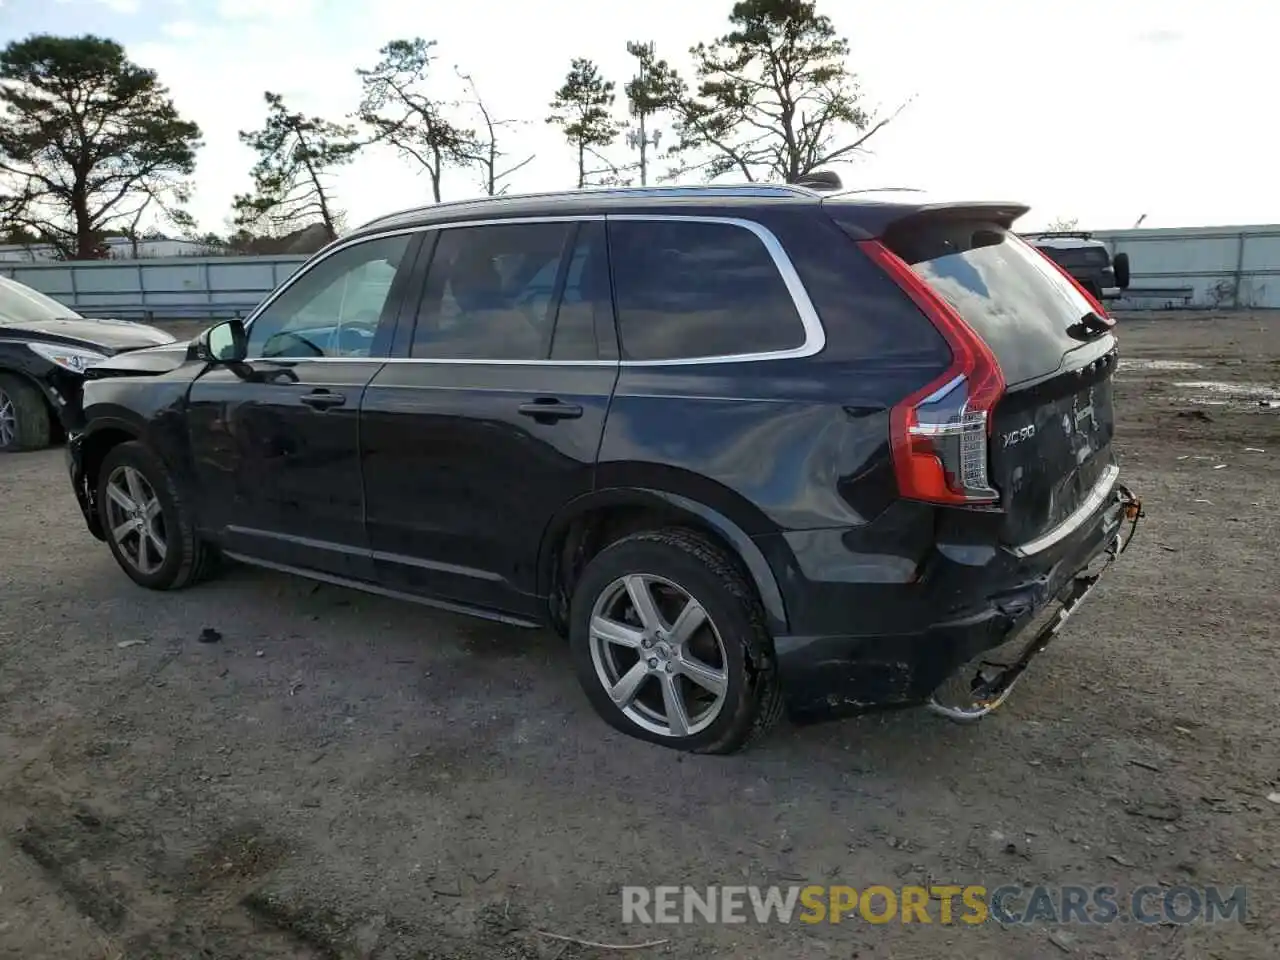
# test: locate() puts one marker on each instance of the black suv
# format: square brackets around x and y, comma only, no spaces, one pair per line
[746,446]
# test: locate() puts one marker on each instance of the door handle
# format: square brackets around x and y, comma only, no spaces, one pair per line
[323,400]
[550,409]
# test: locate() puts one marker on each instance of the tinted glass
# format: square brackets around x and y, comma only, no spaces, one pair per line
[1016,301]
[586,308]
[1078,256]
[686,290]
[334,309]
[490,293]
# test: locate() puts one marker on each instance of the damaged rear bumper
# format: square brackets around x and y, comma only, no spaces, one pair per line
[832,676]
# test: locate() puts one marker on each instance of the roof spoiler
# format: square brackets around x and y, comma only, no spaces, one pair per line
[867,219]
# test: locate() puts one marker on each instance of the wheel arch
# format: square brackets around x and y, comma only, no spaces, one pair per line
[89,450]
[591,522]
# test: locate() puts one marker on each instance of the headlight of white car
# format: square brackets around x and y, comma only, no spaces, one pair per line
[75,359]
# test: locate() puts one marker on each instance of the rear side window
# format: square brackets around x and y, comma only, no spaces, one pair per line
[687,289]
[490,293]
[1019,304]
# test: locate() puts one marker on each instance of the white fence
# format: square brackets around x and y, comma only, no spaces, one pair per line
[168,289]
[1201,267]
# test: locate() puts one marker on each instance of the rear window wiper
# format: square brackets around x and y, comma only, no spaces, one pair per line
[1090,326]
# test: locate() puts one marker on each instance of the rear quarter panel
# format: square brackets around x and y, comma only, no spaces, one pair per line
[787,444]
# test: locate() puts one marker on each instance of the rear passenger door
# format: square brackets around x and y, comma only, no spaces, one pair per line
[489,417]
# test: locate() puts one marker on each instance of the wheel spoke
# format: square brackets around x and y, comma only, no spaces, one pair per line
[135,484]
[709,678]
[673,702]
[8,420]
[157,542]
[123,530]
[122,499]
[642,599]
[151,510]
[611,631]
[624,691]
[144,561]
[687,624]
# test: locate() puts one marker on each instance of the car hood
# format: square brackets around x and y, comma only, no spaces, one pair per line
[148,361]
[107,335]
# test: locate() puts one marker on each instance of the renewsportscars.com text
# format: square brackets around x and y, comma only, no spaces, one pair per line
[941,904]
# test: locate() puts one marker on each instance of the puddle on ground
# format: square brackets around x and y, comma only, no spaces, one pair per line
[1131,363]
[1231,391]
[1219,394]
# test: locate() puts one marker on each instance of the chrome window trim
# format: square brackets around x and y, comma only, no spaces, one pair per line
[1101,490]
[815,338]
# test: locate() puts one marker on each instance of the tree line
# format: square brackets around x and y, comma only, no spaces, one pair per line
[91,143]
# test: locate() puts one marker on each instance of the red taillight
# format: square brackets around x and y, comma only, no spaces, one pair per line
[1094,303]
[938,435]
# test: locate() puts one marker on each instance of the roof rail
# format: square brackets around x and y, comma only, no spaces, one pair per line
[701,190]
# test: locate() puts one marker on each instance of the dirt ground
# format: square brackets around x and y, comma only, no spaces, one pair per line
[346,776]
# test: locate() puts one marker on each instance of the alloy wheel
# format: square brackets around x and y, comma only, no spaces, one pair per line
[136,519]
[8,420]
[659,655]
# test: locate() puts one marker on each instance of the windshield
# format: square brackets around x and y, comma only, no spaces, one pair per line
[20,304]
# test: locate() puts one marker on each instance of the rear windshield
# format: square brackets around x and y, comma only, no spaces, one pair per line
[1019,304]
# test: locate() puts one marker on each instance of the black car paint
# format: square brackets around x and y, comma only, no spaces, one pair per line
[871,600]
[60,386]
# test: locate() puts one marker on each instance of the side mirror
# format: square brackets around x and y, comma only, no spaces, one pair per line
[1121,266]
[227,342]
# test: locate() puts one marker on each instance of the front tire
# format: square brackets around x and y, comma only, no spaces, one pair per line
[24,416]
[669,642]
[149,527]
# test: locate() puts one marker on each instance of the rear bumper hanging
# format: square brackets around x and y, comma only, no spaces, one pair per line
[993,683]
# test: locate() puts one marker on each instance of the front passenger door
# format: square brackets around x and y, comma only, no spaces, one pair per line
[275,441]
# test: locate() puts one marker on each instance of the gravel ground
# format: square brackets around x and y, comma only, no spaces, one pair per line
[343,776]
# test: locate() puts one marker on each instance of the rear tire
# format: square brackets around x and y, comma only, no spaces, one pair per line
[148,526]
[696,671]
[24,416]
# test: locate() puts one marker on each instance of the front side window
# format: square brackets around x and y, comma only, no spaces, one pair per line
[693,289]
[491,292]
[334,309]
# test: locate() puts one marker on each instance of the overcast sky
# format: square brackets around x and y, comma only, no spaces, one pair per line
[1101,110]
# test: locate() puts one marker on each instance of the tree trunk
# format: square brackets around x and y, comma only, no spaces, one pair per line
[436,171]
[86,247]
[644,152]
